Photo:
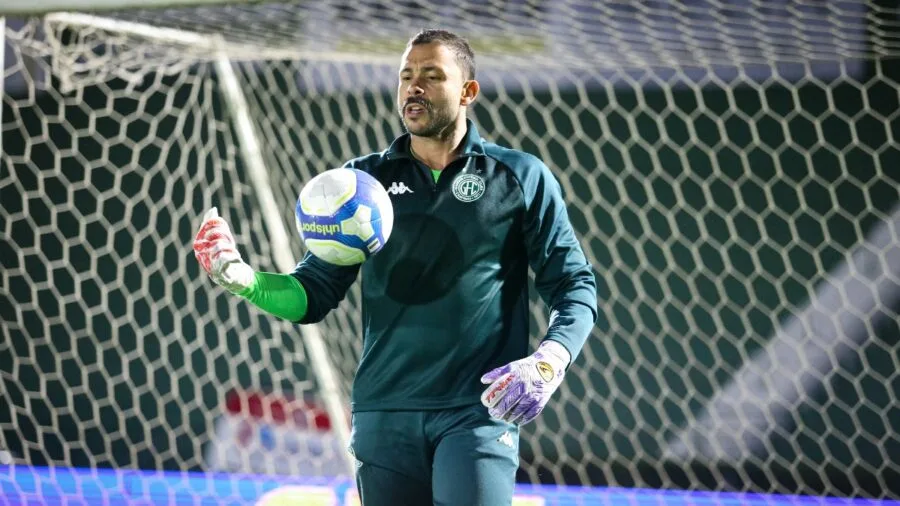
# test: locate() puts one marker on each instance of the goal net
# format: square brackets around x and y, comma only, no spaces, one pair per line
[730,167]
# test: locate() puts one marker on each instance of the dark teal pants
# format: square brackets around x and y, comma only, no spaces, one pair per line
[455,457]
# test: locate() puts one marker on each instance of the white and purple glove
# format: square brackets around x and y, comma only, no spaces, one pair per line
[519,390]
[217,253]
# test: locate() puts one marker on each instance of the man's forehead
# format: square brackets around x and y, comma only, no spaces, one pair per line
[428,55]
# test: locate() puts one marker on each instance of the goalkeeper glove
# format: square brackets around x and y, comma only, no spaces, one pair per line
[519,390]
[217,253]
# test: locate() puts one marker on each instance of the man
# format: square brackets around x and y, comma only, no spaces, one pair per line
[445,303]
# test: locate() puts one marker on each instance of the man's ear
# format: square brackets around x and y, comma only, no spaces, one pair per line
[469,92]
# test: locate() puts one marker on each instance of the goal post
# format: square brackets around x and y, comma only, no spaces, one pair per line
[271,212]
[730,168]
[58,74]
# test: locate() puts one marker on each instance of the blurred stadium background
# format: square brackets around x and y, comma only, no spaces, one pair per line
[731,166]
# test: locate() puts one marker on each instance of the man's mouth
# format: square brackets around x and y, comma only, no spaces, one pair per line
[414,110]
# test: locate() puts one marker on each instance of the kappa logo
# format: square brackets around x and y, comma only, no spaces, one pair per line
[506,440]
[356,461]
[468,187]
[399,188]
[545,370]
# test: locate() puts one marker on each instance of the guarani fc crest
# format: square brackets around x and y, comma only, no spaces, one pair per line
[468,187]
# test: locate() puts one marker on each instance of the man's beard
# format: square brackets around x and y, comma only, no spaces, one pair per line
[439,121]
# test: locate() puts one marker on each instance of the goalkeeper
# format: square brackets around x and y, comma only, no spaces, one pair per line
[445,378]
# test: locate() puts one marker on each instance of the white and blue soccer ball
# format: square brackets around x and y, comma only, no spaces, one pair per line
[344,216]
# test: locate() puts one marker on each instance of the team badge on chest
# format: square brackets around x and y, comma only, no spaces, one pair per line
[468,187]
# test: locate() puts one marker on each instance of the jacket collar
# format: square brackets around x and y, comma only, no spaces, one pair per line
[473,144]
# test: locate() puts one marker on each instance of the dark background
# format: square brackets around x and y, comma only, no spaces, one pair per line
[720,210]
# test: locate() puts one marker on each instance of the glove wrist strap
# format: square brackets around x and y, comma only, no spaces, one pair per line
[557,351]
[237,277]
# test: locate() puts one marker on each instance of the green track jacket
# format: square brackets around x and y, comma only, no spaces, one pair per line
[446,299]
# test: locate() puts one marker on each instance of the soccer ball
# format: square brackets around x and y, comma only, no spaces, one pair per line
[344,216]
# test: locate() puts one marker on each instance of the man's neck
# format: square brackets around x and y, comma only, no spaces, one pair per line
[438,152]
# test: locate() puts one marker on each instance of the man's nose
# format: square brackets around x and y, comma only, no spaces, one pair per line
[414,89]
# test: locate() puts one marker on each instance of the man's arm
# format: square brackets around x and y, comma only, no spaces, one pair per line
[518,391]
[562,275]
[328,282]
[282,295]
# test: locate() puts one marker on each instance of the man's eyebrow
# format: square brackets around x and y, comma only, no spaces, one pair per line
[429,68]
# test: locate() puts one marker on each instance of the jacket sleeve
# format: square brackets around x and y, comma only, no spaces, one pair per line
[563,277]
[325,284]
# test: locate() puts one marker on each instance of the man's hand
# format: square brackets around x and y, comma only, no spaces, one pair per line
[519,391]
[217,253]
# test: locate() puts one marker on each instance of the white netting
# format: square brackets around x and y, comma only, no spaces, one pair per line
[731,168]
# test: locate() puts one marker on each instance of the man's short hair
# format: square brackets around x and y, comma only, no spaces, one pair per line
[465,57]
